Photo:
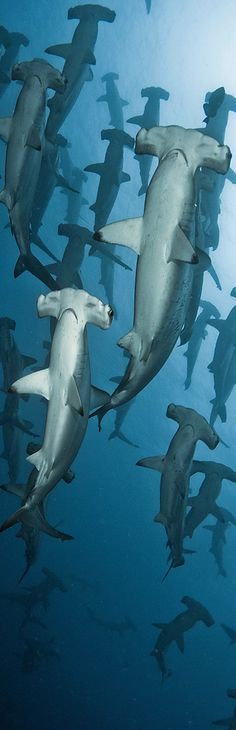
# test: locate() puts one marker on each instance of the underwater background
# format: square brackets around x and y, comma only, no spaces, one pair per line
[104,676]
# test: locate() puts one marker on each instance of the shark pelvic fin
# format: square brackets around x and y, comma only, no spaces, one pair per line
[162,519]
[132,343]
[124,233]
[181,249]
[62,49]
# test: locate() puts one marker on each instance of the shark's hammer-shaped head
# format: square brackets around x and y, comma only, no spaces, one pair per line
[85,307]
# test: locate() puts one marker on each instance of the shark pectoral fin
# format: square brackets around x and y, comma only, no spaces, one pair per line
[132,343]
[98,398]
[63,183]
[27,361]
[180,643]
[35,383]
[153,462]
[18,489]
[35,459]
[136,120]
[33,139]
[180,248]
[217,512]
[160,625]
[62,49]
[5,126]
[124,103]
[123,233]
[73,398]
[218,324]
[102,98]
[162,519]
[97,168]
[124,177]
[6,199]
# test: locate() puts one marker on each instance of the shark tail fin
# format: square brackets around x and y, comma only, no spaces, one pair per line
[33,518]
[118,434]
[30,263]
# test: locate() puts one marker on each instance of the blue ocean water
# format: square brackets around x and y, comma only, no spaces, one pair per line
[102,676]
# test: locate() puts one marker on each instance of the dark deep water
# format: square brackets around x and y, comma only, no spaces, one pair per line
[103,675]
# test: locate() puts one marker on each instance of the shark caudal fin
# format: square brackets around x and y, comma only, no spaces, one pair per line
[28,262]
[34,518]
[120,435]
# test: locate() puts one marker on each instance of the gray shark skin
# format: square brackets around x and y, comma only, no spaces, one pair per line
[211,199]
[111,176]
[231,633]
[175,629]
[114,626]
[229,722]
[195,297]
[24,136]
[78,55]
[7,326]
[11,43]
[36,652]
[148,4]
[204,503]
[76,179]
[13,362]
[114,101]
[165,252]
[199,333]
[12,424]
[175,470]
[66,384]
[223,365]
[149,118]
[201,183]
[30,535]
[49,179]
[218,541]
